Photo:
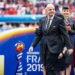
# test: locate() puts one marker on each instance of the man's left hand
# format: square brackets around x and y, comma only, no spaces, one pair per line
[70,51]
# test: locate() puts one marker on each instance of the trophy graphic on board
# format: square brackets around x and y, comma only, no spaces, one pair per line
[19,49]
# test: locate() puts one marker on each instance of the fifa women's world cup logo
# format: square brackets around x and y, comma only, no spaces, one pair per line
[19,50]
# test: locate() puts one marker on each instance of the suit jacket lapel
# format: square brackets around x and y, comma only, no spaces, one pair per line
[45,22]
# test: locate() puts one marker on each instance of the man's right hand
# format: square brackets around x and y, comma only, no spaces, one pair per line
[31,49]
[60,55]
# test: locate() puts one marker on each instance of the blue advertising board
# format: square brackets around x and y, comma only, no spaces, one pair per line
[15,62]
[20,18]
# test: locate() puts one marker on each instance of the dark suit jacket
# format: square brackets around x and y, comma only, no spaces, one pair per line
[52,38]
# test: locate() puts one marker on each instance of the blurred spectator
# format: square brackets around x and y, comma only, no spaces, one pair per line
[41,10]
[73,3]
[32,9]
[73,12]
[1,4]
[57,8]
[21,10]
[12,11]
[1,11]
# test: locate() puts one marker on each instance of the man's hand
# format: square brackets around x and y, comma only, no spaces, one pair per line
[31,49]
[60,55]
[70,51]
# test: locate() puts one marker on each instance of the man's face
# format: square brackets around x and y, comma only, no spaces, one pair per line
[66,12]
[50,11]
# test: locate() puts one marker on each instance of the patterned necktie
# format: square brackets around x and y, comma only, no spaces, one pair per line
[48,23]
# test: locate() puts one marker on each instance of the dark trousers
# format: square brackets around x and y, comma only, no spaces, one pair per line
[50,60]
[52,73]
[50,63]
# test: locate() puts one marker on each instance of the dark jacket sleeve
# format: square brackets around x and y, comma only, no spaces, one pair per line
[64,33]
[38,33]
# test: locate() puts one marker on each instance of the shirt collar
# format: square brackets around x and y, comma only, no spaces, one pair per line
[51,17]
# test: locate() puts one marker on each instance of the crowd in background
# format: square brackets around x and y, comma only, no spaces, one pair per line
[31,7]
[20,7]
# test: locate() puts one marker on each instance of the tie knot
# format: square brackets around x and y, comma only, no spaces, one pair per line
[49,19]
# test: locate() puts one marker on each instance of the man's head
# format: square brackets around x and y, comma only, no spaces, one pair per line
[65,11]
[50,10]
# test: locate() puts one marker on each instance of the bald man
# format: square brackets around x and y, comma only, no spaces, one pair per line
[49,33]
